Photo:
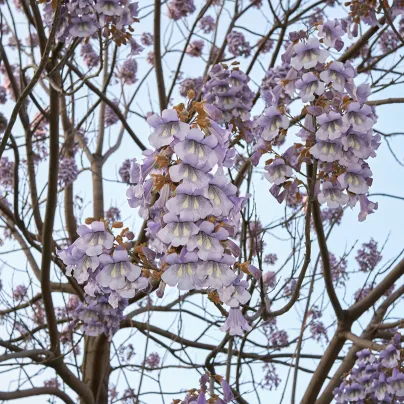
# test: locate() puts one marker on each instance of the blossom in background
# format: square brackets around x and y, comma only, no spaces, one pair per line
[90,56]
[237,44]
[188,84]
[67,172]
[207,24]
[178,9]
[83,19]
[228,91]
[195,48]
[368,256]
[127,72]
[146,39]
[6,173]
[111,117]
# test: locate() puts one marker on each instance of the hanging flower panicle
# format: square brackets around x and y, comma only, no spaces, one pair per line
[191,207]
[337,128]
[100,260]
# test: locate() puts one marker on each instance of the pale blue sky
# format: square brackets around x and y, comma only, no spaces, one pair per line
[386,223]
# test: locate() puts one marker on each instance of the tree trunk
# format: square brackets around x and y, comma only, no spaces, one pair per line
[96,363]
[96,367]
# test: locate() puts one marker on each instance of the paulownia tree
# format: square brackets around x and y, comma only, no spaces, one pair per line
[173,180]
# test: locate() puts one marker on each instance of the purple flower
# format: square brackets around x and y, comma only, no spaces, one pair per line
[68,171]
[98,316]
[175,232]
[327,151]
[271,122]
[201,398]
[358,116]
[116,270]
[358,143]
[365,356]
[153,360]
[331,32]
[207,24]
[355,392]
[268,45]
[355,178]
[396,383]
[182,270]
[308,54]
[270,259]
[124,170]
[135,48]
[134,283]
[235,294]
[237,44]
[94,239]
[146,39]
[207,240]
[197,150]
[83,26]
[6,174]
[228,396]
[190,84]
[20,292]
[113,214]
[235,322]
[332,195]
[190,176]
[269,279]
[180,8]
[338,74]
[216,272]
[194,49]
[277,172]
[190,206]
[368,256]
[128,71]
[309,85]
[380,386]
[390,356]
[79,263]
[91,58]
[111,117]
[165,128]
[332,125]
[150,58]
[367,207]
[279,338]
[228,91]
[219,193]
[108,7]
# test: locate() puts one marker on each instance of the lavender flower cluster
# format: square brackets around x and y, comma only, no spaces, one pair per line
[194,84]
[375,378]
[337,129]
[98,316]
[191,207]
[99,259]
[228,90]
[178,9]
[83,19]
